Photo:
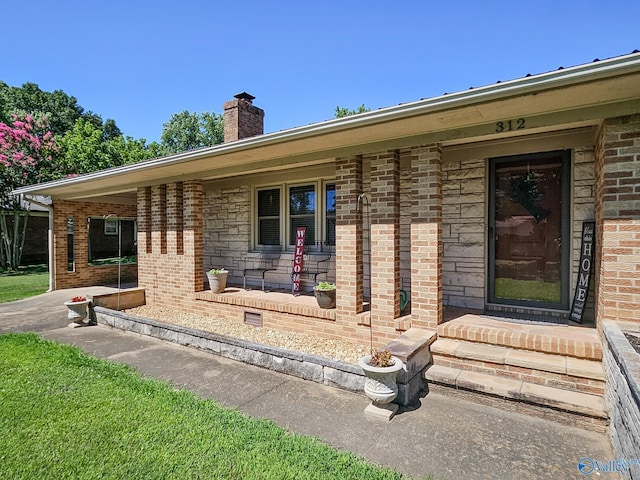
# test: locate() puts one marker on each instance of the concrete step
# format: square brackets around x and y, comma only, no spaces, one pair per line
[502,355]
[576,402]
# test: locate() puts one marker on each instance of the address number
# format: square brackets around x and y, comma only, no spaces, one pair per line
[510,125]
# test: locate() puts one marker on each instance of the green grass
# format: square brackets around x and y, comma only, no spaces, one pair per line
[26,282]
[64,414]
[527,290]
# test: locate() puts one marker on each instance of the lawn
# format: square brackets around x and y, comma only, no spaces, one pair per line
[536,290]
[64,414]
[26,282]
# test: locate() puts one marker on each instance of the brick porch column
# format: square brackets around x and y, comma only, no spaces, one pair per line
[159,219]
[385,244]
[349,275]
[426,236]
[618,220]
[175,218]
[193,235]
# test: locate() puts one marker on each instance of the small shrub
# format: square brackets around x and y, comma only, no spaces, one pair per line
[78,299]
[216,271]
[326,286]
[381,358]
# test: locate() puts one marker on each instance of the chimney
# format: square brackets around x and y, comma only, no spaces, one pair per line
[242,119]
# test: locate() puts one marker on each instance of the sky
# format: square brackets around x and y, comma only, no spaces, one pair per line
[139,62]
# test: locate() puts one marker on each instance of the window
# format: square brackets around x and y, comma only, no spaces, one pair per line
[112,240]
[311,205]
[269,217]
[302,212]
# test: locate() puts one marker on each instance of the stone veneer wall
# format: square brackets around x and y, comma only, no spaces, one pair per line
[622,394]
[463,232]
[227,238]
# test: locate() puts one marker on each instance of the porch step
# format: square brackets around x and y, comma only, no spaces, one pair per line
[495,356]
[577,402]
[578,342]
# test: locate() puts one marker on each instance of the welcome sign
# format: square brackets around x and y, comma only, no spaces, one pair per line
[584,273]
[298,259]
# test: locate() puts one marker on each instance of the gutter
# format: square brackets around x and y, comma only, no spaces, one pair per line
[51,255]
[596,70]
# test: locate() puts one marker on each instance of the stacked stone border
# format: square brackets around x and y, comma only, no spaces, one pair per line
[622,394]
[308,367]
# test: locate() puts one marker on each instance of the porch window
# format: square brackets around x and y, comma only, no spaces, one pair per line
[302,212]
[112,241]
[311,205]
[269,217]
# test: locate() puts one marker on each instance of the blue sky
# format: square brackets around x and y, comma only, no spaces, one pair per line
[139,62]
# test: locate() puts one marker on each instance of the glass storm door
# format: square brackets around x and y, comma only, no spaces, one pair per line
[528,230]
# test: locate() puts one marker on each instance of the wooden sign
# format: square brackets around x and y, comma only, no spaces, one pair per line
[584,273]
[298,259]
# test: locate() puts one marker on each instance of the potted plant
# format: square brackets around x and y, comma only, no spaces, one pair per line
[217,279]
[78,311]
[325,294]
[381,369]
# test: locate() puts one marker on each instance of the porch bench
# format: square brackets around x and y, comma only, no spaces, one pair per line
[313,265]
[257,264]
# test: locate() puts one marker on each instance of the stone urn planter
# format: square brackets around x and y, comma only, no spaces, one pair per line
[325,294]
[380,383]
[217,279]
[78,311]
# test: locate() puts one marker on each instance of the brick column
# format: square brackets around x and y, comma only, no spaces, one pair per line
[144,220]
[385,245]
[426,237]
[194,233]
[349,275]
[618,220]
[159,219]
[175,218]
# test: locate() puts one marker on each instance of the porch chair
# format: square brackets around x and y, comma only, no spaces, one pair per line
[257,264]
[313,265]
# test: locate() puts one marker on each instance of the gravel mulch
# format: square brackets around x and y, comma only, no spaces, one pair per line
[339,350]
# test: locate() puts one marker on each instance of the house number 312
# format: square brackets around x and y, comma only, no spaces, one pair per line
[510,125]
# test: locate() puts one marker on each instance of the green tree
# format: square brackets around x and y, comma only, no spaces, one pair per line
[86,148]
[187,131]
[345,112]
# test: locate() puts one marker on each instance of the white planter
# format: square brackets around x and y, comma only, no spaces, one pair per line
[380,383]
[217,281]
[78,312]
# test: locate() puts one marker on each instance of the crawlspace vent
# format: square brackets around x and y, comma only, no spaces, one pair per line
[253,318]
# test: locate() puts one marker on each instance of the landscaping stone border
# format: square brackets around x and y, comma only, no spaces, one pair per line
[622,394]
[309,367]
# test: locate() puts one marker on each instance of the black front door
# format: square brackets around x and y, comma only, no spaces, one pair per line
[529,230]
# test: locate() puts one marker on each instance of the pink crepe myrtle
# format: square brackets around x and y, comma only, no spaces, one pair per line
[27,152]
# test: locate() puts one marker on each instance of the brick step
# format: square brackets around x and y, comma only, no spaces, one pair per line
[584,404]
[570,341]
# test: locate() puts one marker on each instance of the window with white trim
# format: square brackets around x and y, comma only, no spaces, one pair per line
[281,209]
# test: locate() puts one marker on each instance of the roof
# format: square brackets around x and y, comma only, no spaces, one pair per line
[575,96]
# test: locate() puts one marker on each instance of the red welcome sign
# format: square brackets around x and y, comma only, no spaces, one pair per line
[298,258]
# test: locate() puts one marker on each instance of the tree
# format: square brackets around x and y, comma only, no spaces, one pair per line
[345,112]
[187,131]
[86,148]
[28,154]
[61,109]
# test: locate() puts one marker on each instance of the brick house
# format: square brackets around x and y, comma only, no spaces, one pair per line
[474,205]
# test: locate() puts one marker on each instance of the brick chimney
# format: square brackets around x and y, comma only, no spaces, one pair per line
[242,119]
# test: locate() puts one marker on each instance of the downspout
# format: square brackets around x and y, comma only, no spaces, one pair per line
[49,208]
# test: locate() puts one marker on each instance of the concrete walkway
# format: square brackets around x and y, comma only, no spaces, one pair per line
[442,436]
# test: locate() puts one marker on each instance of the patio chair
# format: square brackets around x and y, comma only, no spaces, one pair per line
[257,264]
[313,265]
